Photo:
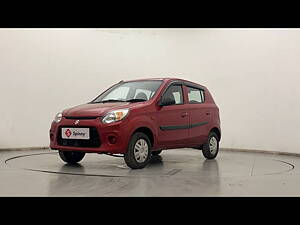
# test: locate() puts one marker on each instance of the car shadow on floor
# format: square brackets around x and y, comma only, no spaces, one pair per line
[155,161]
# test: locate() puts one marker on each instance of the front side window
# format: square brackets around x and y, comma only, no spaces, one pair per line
[174,92]
[195,95]
[134,91]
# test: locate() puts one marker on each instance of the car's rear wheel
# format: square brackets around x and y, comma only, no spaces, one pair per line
[139,151]
[211,147]
[156,152]
[71,157]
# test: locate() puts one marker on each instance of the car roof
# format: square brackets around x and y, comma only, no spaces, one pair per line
[166,79]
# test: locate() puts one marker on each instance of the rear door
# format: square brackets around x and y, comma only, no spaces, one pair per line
[200,115]
[173,120]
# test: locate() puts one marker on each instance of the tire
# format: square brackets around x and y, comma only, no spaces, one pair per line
[71,157]
[211,147]
[138,153]
[156,152]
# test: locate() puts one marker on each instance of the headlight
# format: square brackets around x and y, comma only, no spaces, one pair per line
[115,115]
[58,117]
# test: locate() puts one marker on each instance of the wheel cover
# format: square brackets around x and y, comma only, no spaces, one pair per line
[141,150]
[213,145]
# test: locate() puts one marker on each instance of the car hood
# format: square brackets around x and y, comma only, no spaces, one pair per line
[96,109]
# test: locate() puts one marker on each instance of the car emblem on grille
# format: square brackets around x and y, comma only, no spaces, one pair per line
[76,122]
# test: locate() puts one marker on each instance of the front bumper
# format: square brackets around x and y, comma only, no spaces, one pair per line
[113,137]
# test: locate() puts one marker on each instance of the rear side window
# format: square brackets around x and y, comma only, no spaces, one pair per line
[195,95]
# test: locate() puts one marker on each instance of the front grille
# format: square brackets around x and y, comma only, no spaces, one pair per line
[81,117]
[93,142]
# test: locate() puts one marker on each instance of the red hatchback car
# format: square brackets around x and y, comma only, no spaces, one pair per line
[137,119]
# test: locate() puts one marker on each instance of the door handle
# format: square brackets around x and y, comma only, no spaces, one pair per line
[184,114]
[207,113]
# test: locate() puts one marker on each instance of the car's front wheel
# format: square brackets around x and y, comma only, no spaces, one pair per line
[211,147]
[71,157]
[139,151]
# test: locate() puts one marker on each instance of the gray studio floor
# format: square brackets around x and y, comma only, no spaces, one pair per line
[180,172]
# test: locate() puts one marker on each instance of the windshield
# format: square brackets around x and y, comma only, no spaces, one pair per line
[134,91]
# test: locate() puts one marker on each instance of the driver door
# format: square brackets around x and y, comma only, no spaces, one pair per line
[173,120]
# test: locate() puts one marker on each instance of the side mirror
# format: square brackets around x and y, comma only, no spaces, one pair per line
[167,101]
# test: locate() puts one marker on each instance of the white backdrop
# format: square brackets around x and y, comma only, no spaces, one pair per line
[253,75]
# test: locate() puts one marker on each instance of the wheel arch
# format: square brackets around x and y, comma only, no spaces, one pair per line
[147,131]
[217,131]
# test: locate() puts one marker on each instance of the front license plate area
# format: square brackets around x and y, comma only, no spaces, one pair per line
[75,133]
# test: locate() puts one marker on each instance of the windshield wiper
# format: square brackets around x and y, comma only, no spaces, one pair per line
[136,100]
[112,100]
[116,100]
[108,100]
